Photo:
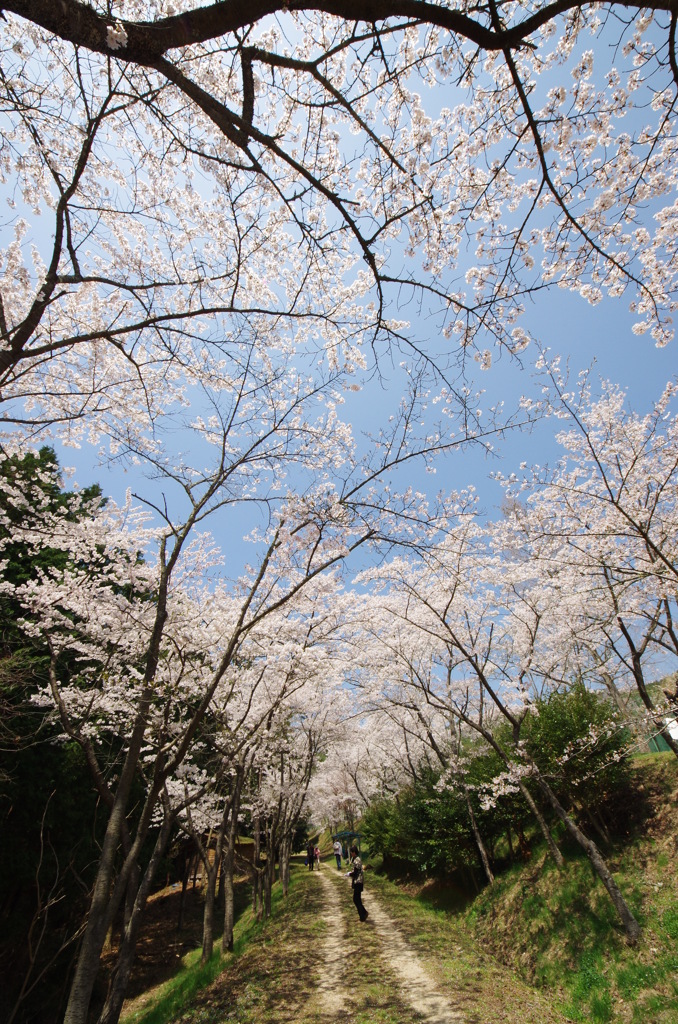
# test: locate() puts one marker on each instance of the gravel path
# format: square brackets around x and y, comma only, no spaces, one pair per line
[414,978]
[331,992]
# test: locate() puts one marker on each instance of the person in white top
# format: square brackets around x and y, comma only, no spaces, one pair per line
[336,847]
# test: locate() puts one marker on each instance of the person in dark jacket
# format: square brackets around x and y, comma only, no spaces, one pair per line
[357,881]
[310,855]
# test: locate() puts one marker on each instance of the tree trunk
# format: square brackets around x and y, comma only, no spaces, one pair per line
[212,871]
[220,887]
[598,824]
[479,841]
[131,894]
[228,863]
[229,901]
[286,874]
[270,880]
[614,693]
[631,926]
[257,907]
[208,913]
[541,821]
[106,897]
[284,866]
[103,907]
[110,1013]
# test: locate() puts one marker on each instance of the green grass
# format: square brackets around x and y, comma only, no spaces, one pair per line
[563,933]
[482,988]
[540,946]
[175,996]
[560,930]
[670,922]
[171,997]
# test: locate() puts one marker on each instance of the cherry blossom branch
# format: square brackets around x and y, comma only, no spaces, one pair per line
[144,41]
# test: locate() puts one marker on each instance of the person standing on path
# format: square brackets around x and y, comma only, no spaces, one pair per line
[317,856]
[310,855]
[356,876]
[336,847]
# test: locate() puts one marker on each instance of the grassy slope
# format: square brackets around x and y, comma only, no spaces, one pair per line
[486,991]
[244,986]
[558,928]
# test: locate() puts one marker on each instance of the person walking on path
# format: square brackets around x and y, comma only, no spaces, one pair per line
[317,856]
[336,847]
[310,855]
[356,876]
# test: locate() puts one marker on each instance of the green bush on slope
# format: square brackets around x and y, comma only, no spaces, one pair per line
[560,930]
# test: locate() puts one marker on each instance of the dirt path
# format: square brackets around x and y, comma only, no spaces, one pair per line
[414,981]
[314,962]
[331,992]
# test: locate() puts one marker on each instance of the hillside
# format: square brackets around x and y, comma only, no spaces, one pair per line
[557,929]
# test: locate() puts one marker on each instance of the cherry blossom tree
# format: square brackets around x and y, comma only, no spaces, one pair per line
[165,661]
[474,627]
[360,766]
[199,175]
[159,636]
[608,513]
[429,743]
[284,781]
[261,745]
[237,202]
